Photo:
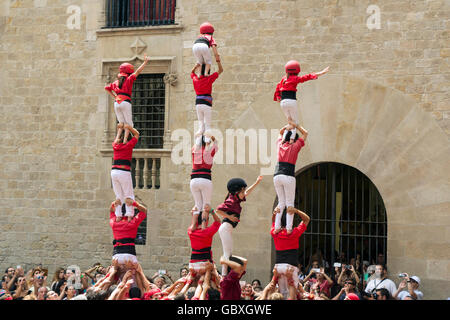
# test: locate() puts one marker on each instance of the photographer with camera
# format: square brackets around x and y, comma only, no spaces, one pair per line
[321,284]
[348,273]
[380,281]
[412,284]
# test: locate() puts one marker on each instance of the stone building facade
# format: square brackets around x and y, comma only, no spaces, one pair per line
[383,108]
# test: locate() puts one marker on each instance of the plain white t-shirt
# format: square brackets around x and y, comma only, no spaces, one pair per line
[403,294]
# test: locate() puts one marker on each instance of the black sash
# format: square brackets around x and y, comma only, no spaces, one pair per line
[130,249]
[285,168]
[201,254]
[120,162]
[202,40]
[287,256]
[206,175]
[234,224]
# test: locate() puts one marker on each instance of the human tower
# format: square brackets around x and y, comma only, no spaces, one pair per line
[202,270]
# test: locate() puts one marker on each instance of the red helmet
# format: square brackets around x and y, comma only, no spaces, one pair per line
[292,67]
[126,68]
[206,27]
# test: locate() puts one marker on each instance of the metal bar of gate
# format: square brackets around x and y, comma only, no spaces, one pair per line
[362,221]
[333,208]
[355,216]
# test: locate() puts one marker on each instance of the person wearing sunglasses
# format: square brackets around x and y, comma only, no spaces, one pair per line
[348,288]
[38,282]
[411,284]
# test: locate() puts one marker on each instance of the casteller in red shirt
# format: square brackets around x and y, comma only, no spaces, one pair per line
[125,232]
[201,241]
[286,245]
[203,87]
[123,153]
[125,92]
[290,84]
[287,156]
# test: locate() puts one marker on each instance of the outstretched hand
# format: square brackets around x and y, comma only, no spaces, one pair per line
[323,72]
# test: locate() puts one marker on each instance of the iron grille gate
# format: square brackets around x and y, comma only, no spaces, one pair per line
[347,214]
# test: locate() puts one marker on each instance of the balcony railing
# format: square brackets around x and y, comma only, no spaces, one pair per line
[139,13]
[145,173]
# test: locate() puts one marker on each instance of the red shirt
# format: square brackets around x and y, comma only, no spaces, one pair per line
[291,83]
[324,287]
[201,239]
[230,288]
[202,158]
[231,204]
[124,229]
[123,151]
[289,152]
[283,241]
[127,86]
[202,84]
[210,39]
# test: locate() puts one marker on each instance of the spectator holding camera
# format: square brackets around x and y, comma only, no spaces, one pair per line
[321,284]
[412,286]
[21,289]
[348,273]
[380,281]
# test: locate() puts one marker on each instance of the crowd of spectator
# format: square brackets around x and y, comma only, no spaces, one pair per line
[319,280]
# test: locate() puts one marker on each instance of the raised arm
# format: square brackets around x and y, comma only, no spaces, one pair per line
[225,215]
[219,64]
[236,267]
[141,67]
[303,131]
[250,189]
[214,215]
[270,286]
[321,73]
[283,129]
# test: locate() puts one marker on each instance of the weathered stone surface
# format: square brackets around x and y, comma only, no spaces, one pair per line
[383,108]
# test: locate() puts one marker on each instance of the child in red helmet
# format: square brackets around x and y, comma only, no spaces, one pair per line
[121,90]
[285,92]
[201,47]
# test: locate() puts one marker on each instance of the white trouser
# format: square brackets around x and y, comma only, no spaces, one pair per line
[283,280]
[201,190]
[225,232]
[285,188]
[123,189]
[289,107]
[204,117]
[197,266]
[202,53]
[122,258]
[123,112]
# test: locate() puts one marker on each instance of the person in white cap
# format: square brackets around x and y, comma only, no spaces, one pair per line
[412,285]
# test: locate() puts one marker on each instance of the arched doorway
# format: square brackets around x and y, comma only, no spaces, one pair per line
[347,214]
